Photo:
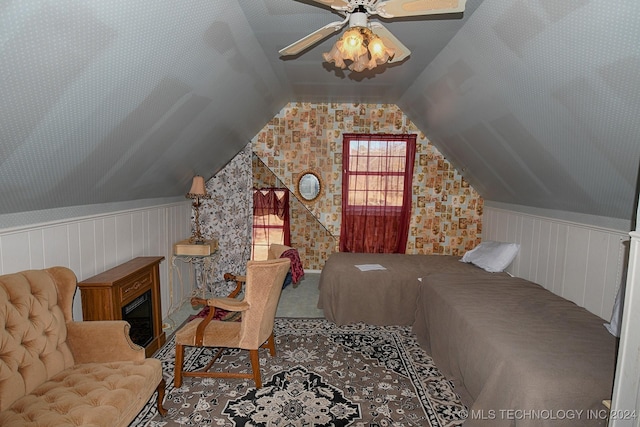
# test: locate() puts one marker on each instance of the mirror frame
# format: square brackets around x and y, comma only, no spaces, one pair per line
[301,176]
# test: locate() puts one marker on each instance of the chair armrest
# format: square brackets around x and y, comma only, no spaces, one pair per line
[229,276]
[102,341]
[239,281]
[229,304]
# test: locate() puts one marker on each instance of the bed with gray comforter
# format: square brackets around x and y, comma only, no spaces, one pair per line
[518,354]
[378,297]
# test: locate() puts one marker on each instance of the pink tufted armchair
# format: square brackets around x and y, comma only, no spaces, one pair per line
[54,371]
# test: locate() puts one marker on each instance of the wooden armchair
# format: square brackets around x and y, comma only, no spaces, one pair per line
[254,331]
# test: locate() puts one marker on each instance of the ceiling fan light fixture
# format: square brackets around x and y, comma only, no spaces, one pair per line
[334,56]
[363,63]
[357,13]
[362,47]
[379,52]
[352,44]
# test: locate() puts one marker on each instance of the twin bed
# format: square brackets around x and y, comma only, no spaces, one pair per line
[511,347]
[378,297]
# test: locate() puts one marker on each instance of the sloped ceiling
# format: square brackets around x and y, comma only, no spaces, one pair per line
[535,102]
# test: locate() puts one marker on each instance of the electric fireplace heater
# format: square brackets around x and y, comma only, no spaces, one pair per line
[139,314]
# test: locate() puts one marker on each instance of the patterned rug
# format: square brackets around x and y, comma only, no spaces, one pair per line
[322,375]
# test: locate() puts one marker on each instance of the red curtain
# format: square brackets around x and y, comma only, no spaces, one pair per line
[272,201]
[377,172]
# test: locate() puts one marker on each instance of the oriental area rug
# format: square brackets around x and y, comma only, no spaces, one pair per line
[322,375]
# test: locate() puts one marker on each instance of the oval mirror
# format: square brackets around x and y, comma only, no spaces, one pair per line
[309,186]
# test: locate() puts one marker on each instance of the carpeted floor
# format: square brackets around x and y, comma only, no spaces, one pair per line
[322,375]
[299,301]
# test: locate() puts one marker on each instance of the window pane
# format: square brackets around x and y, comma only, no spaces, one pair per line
[358,163]
[395,183]
[260,252]
[375,172]
[267,220]
[267,229]
[375,183]
[358,182]
[356,146]
[357,198]
[276,235]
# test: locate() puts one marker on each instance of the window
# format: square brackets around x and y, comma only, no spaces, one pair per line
[270,220]
[376,192]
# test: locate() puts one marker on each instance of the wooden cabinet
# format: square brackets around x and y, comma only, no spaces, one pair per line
[131,292]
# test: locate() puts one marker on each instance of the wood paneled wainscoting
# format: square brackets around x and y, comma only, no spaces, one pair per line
[580,262]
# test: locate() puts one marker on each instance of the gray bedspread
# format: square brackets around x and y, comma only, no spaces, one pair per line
[381,297]
[519,354]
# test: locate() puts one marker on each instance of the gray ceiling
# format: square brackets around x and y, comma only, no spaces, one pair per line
[537,103]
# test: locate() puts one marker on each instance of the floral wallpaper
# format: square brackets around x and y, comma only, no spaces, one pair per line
[447,211]
[227,217]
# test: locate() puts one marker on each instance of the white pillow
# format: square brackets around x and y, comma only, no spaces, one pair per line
[492,256]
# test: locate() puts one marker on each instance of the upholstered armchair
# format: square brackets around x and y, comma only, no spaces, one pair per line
[275,250]
[254,330]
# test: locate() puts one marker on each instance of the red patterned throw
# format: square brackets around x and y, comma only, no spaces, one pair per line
[296,265]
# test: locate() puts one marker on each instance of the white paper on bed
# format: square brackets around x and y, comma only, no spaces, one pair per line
[370,267]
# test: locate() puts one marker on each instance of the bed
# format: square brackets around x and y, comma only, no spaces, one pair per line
[378,297]
[511,346]
[518,354]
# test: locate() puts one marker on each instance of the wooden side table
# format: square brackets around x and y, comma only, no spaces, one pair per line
[131,292]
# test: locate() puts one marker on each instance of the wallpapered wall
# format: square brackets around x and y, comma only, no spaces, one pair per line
[227,217]
[447,211]
[305,228]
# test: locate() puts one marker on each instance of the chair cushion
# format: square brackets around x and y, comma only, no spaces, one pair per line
[91,394]
[217,334]
[220,314]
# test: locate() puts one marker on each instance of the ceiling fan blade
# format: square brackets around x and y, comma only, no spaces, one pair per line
[311,39]
[335,4]
[396,8]
[401,51]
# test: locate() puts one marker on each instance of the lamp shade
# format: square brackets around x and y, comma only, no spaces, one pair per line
[197,186]
[351,45]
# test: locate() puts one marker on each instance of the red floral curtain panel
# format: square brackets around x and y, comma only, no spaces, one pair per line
[270,219]
[376,192]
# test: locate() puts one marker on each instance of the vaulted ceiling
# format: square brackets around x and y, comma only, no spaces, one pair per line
[535,102]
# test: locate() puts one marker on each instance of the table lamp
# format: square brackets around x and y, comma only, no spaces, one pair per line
[198,192]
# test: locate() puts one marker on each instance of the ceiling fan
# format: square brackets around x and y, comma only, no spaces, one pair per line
[368,44]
